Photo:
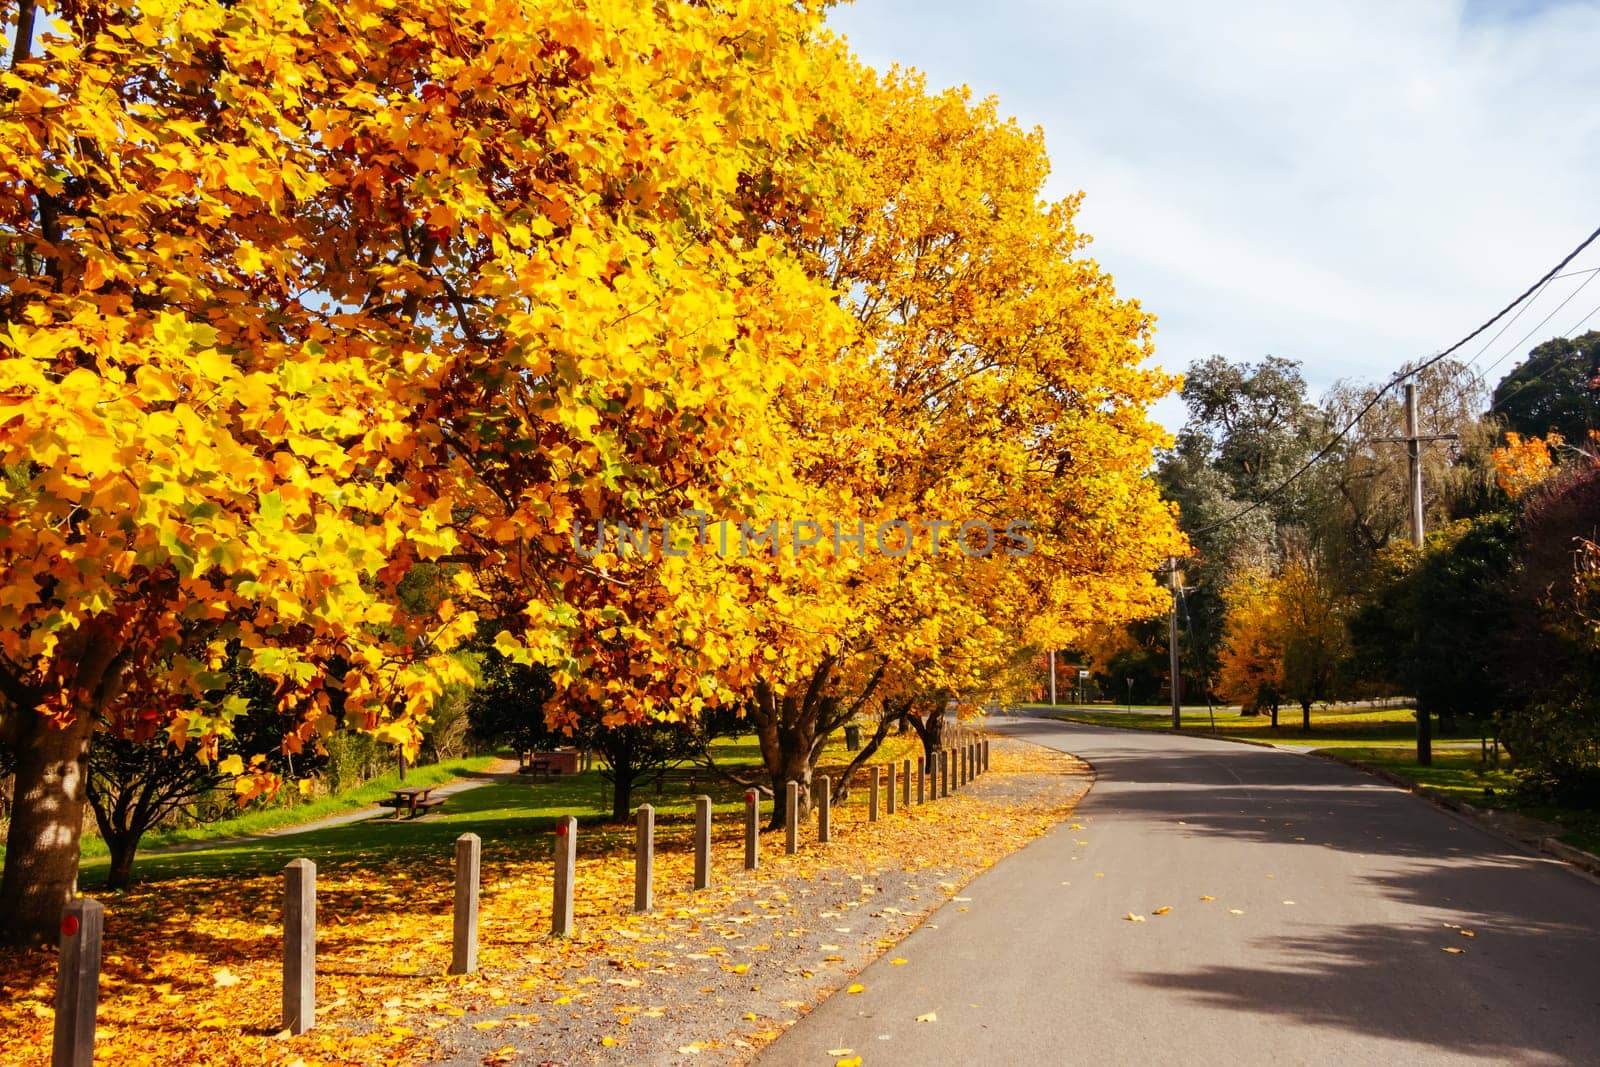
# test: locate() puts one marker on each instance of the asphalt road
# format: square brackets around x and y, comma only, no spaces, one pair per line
[1335,900]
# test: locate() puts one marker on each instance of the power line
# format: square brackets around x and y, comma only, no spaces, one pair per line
[1399,377]
[1579,324]
[1518,346]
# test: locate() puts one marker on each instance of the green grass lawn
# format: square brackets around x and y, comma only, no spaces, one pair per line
[1461,774]
[511,817]
[1329,726]
[274,817]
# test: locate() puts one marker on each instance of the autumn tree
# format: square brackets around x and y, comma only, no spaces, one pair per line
[433,283]
[994,377]
[1254,644]
[1315,644]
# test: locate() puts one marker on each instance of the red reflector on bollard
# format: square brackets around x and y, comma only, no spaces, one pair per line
[561,829]
[69,925]
[750,797]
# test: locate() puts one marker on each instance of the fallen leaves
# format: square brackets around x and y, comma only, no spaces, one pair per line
[855,987]
[1164,909]
[1131,917]
[928,1017]
[384,942]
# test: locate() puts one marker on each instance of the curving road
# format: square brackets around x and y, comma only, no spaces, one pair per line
[1335,900]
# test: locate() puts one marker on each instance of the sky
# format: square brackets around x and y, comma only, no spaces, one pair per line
[1349,184]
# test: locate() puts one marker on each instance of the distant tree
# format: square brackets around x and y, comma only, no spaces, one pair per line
[1357,501]
[138,777]
[630,753]
[1550,657]
[1254,420]
[1251,662]
[507,706]
[1314,638]
[1556,388]
[1250,426]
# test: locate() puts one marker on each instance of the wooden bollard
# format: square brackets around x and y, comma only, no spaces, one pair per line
[644,858]
[959,771]
[872,799]
[299,946]
[752,830]
[944,772]
[888,789]
[791,818]
[77,983]
[905,783]
[824,810]
[985,753]
[566,875]
[464,937]
[922,775]
[702,842]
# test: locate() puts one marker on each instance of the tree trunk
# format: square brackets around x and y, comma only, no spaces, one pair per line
[41,865]
[1305,715]
[622,779]
[123,849]
[795,767]
[931,734]
[1274,714]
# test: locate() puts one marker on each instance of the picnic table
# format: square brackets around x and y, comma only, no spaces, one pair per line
[414,799]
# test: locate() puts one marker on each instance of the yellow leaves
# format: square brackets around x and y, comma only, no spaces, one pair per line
[898,961]
[928,1017]
[855,987]
[223,978]
[231,765]
[1164,909]
[847,1061]
[1133,918]
[1454,951]
[1524,462]
[1208,899]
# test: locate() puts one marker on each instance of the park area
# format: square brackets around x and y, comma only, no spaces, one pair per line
[192,969]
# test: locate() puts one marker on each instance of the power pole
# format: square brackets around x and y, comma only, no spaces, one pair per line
[1052,678]
[1172,644]
[1413,441]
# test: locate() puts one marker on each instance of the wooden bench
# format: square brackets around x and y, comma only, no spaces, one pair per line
[689,776]
[415,800]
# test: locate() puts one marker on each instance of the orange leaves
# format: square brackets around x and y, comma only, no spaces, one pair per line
[1523,462]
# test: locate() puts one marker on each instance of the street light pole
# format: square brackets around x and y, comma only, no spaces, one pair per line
[1052,678]
[1172,645]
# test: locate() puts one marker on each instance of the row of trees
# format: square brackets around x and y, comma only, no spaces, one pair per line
[331,332]
[1311,591]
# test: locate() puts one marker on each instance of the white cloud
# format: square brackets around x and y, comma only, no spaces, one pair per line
[1351,184]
